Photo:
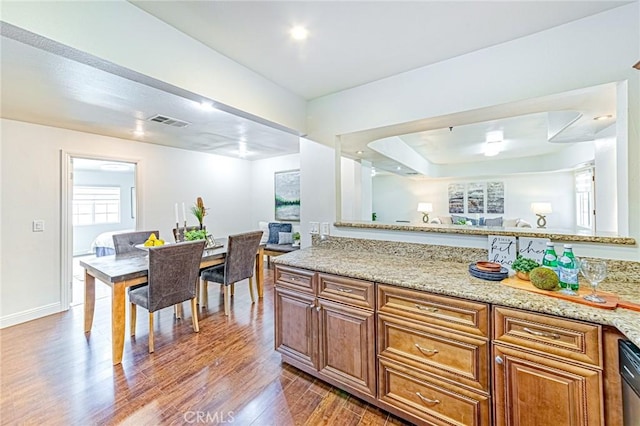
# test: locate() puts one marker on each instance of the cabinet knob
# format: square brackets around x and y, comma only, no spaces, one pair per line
[499,360]
[318,308]
[312,305]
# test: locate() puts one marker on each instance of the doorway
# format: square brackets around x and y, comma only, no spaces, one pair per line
[101,200]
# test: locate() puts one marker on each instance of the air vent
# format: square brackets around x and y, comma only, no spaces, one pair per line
[174,122]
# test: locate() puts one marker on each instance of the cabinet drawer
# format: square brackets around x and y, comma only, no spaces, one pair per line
[448,312]
[430,399]
[552,335]
[299,279]
[458,357]
[347,290]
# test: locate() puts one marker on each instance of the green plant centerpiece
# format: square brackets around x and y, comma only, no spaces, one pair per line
[196,234]
[199,211]
[296,238]
[523,266]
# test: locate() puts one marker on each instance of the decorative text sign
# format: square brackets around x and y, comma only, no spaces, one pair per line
[502,250]
[532,248]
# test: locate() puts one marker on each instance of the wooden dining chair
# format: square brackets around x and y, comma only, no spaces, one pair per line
[172,279]
[239,264]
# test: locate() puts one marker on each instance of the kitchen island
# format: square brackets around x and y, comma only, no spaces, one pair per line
[405,327]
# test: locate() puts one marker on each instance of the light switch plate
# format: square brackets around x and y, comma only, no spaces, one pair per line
[314,227]
[324,228]
[38,225]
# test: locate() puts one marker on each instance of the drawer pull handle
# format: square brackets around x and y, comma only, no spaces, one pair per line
[426,308]
[344,290]
[542,333]
[427,400]
[428,352]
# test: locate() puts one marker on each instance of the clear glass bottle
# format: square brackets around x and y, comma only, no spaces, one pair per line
[568,271]
[550,257]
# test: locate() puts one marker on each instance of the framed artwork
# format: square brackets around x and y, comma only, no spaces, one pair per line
[287,195]
[495,197]
[456,198]
[475,197]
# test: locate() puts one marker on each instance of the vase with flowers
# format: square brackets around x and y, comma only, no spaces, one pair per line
[199,211]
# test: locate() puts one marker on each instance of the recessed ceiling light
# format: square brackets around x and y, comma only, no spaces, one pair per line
[398,168]
[603,117]
[359,152]
[299,33]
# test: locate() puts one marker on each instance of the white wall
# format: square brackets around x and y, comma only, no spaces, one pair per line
[396,198]
[591,51]
[262,186]
[83,235]
[31,175]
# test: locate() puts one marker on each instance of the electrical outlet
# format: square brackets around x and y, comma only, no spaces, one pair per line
[324,228]
[314,227]
[38,225]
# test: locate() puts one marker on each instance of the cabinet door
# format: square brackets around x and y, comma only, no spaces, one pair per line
[532,390]
[347,345]
[295,326]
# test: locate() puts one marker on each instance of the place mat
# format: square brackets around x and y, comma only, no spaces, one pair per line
[611,300]
[485,275]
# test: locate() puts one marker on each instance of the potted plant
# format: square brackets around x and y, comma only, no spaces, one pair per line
[296,239]
[199,211]
[524,265]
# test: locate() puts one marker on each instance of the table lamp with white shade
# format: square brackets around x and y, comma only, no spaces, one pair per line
[541,209]
[425,209]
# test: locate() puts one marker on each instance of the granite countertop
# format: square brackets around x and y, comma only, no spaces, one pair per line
[453,279]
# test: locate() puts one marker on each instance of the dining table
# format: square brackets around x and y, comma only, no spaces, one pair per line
[125,270]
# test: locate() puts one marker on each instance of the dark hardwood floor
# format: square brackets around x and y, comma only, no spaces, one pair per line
[52,373]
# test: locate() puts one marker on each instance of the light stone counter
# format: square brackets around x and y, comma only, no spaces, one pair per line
[451,277]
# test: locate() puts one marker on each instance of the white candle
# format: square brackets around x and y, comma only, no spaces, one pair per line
[177,218]
[184,214]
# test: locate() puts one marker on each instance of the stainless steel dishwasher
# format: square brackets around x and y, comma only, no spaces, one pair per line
[630,372]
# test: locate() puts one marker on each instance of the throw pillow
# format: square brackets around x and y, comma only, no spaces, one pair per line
[497,221]
[285,238]
[264,227]
[275,229]
[457,220]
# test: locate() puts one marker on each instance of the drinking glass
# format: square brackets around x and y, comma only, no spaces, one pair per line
[594,271]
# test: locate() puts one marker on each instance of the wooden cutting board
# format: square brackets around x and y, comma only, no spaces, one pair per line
[611,300]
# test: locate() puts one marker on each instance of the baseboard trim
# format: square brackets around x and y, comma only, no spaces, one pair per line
[30,314]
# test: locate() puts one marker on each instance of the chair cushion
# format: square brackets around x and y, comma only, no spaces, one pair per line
[275,229]
[139,295]
[215,274]
[284,248]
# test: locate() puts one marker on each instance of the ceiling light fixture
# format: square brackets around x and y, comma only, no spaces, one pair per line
[359,152]
[242,149]
[603,117]
[299,33]
[494,143]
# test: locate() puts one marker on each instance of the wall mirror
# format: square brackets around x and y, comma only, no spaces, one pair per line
[567,151]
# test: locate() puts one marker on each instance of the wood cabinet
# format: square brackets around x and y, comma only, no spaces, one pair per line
[547,370]
[433,357]
[324,324]
[439,360]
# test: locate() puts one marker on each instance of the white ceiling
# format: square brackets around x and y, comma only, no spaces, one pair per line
[350,43]
[355,42]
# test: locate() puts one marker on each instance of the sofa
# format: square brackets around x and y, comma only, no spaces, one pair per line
[277,238]
[481,221]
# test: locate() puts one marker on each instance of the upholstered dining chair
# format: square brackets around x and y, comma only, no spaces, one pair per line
[172,279]
[239,264]
[125,243]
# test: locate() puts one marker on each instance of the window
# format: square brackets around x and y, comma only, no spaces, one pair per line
[96,204]
[584,198]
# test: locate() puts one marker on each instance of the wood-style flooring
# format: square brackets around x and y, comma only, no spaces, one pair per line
[52,373]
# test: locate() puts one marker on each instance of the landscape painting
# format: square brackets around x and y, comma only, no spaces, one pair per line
[495,197]
[475,198]
[456,198]
[287,195]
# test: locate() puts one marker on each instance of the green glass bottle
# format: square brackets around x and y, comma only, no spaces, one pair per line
[568,271]
[550,257]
